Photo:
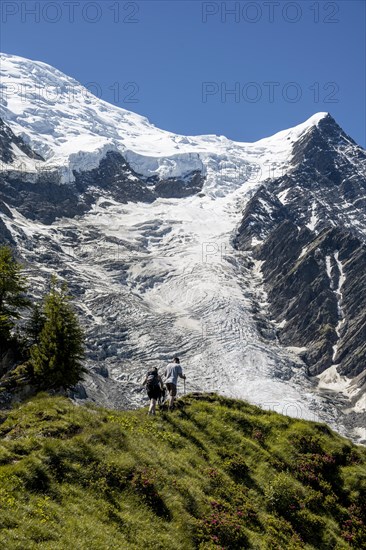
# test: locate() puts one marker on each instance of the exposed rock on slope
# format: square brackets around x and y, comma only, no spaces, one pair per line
[12,145]
[41,196]
[308,228]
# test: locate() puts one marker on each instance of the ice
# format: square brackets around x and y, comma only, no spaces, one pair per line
[360,405]
[328,267]
[255,241]
[360,433]
[314,219]
[331,379]
[282,196]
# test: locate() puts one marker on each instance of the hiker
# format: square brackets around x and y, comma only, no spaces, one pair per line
[172,371]
[154,387]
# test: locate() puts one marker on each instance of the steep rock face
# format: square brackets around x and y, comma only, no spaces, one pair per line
[124,184]
[177,188]
[262,215]
[328,183]
[318,294]
[351,352]
[42,201]
[9,143]
[308,228]
[5,234]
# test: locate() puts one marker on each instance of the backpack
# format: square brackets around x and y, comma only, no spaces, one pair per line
[152,380]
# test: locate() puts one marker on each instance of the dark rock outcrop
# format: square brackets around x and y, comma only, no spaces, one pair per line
[43,201]
[7,139]
[41,196]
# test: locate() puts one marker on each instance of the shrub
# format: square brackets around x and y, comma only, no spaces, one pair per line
[354,528]
[280,535]
[143,484]
[309,525]
[284,494]
[236,466]
[223,527]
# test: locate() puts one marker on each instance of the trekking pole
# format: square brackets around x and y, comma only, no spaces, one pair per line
[184,384]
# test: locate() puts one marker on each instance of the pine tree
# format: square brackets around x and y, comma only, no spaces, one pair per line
[12,294]
[35,324]
[57,358]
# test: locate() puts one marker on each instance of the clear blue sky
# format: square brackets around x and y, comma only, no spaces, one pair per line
[178,59]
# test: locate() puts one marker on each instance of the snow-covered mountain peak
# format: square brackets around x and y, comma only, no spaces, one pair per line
[294,133]
[73,130]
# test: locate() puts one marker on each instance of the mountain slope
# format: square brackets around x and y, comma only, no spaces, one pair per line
[217,473]
[194,245]
[308,229]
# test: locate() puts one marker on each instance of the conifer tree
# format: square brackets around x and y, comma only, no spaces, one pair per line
[35,324]
[12,294]
[57,358]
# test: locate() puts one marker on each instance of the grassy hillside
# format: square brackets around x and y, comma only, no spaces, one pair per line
[216,473]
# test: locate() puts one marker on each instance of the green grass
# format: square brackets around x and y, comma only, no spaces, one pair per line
[216,473]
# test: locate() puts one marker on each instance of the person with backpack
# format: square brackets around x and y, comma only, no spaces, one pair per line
[154,387]
[171,374]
